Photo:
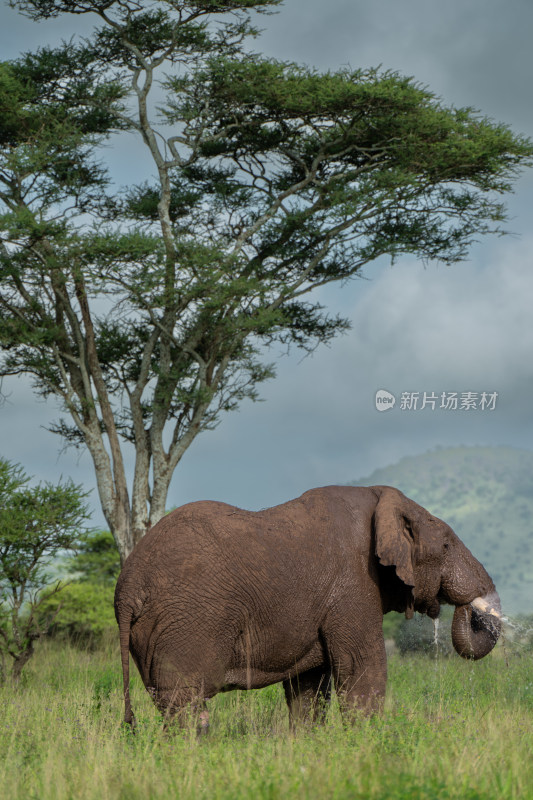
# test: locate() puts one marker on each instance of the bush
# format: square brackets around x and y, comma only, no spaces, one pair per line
[36,525]
[417,635]
[97,559]
[84,612]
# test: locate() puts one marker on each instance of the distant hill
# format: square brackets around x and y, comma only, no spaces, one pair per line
[486,495]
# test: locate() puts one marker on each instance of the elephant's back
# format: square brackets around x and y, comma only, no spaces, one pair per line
[205,542]
[208,529]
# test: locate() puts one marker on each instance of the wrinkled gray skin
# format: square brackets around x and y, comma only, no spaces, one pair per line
[215,598]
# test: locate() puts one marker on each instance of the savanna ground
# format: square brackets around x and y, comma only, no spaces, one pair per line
[451,729]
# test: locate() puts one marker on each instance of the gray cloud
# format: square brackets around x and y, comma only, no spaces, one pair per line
[475,53]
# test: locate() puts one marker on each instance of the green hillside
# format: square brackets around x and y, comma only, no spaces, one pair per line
[486,495]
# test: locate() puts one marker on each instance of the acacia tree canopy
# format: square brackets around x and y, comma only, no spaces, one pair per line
[146,310]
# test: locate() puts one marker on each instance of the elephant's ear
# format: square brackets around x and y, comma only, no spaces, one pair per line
[395,540]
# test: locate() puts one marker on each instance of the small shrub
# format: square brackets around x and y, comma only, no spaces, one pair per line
[417,635]
[84,612]
[97,559]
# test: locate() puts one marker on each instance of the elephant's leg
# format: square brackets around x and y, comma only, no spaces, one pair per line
[360,675]
[308,696]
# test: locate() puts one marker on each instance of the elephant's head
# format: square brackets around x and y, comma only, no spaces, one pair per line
[426,564]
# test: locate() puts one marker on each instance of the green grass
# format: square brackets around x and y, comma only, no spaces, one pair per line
[451,729]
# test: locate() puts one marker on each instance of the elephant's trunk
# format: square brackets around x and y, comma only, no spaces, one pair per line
[476,626]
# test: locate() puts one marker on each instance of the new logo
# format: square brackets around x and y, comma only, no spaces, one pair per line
[384,400]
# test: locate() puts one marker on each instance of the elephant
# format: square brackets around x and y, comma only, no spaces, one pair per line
[215,598]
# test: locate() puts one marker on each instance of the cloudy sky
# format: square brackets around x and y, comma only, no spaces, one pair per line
[415,328]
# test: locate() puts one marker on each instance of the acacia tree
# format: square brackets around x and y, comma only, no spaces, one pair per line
[145,311]
[36,525]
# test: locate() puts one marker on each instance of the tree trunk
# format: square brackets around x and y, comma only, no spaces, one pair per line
[20,661]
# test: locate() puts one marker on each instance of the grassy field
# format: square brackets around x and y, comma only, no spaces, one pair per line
[451,729]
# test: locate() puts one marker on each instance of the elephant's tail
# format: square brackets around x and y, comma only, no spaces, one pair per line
[125,616]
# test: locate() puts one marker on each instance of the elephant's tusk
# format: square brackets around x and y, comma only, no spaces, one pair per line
[485,607]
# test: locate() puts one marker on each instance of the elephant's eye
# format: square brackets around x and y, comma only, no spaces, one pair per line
[446,546]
